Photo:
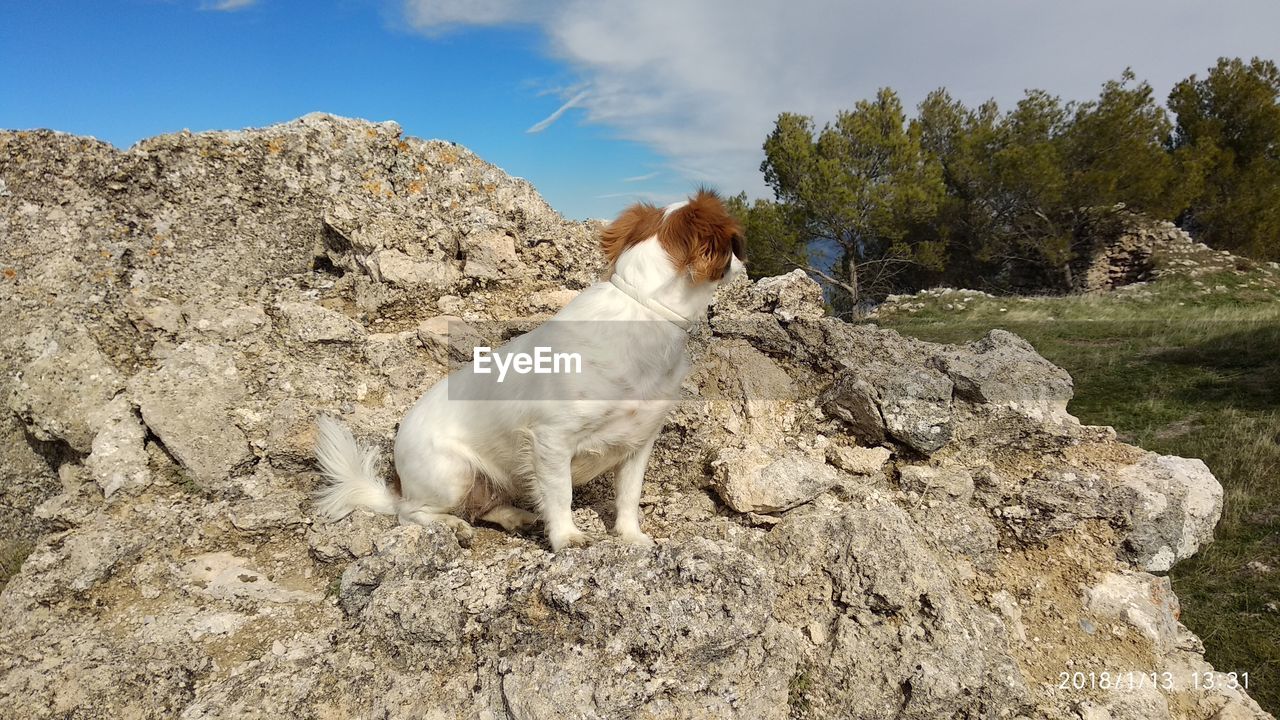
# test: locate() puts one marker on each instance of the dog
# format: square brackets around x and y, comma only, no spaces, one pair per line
[474,448]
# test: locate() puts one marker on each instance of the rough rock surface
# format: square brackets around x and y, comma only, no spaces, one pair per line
[894,529]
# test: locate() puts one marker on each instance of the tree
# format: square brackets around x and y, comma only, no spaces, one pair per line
[1116,152]
[774,244]
[1228,128]
[1032,191]
[863,186]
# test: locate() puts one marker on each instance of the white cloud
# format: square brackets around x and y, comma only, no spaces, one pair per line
[227,5]
[549,120]
[436,16]
[641,178]
[701,83]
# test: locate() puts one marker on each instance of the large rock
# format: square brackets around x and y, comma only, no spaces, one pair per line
[912,407]
[1178,503]
[752,480]
[1003,369]
[849,523]
[188,402]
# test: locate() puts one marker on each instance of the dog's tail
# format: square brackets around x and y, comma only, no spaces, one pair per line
[352,472]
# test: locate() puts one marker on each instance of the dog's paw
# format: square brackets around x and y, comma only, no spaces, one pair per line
[462,530]
[568,539]
[635,537]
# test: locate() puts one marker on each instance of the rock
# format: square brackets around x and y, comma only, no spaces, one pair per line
[71,563]
[402,271]
[165,316]
[551,300]
[790,296]
[449,338]
[290,443]
[949,483]
[1143,602]
[853,400]
[1178,503]
[752,481]
[879,401]
[62,387]
[354,536]
[858,460]
[187,402]
[223,576]
[491,255]
[1003,369]
[229,319]
[118,458]
[280,510]
[313,323]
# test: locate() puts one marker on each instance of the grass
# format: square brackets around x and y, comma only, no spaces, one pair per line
[1187,365]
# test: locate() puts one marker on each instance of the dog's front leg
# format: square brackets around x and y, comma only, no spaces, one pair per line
[628,481]
[553,480]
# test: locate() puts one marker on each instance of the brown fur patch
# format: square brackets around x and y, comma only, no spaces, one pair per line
[700,237]
[635,225]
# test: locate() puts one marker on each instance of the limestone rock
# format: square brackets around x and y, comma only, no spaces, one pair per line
[400,270]
[187,402]
[67,382]
[118,460]
[491,255]
[223,576]
[790,296]
[753,481]
[1178,503]
[1004,369]
[878,401]
[1143,602]
[858,460]
[313,323]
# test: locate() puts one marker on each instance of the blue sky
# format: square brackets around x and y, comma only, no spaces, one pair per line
[123,71]
[662,94]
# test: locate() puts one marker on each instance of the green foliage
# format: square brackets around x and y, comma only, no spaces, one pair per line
[862,184]
[1016,200]
[1115,152]
[1228,128]
[774,244]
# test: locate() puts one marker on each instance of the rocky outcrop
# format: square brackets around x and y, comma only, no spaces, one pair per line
[1137,249]
[850,523]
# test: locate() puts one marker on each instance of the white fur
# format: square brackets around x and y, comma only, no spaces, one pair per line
[537,450]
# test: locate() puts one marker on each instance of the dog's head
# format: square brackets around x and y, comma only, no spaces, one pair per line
[699,236]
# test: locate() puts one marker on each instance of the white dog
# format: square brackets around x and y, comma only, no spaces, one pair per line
[475,446]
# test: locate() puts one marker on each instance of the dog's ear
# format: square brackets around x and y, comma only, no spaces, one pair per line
[636,224]
[703,237]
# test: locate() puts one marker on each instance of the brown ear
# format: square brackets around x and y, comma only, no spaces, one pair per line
[702,237]
[636,224]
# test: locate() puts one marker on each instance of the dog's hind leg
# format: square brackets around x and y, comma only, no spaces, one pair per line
[434,486]
[426,515]
[511,518]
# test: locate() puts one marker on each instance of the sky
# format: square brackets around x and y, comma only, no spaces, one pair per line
[599,103]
